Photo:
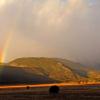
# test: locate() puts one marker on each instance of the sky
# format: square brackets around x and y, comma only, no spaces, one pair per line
[50,28]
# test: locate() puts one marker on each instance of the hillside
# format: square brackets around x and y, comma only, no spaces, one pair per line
[14,75]
[61,70]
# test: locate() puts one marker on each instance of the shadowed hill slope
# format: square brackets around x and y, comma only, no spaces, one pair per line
[61,70]
[15,75]
[10,75]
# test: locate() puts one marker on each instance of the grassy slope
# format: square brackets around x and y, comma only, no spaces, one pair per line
[57,69]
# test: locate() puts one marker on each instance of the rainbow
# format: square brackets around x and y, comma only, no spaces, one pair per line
[6,47]
[69,8]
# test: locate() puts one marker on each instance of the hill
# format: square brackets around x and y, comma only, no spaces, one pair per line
[60,70]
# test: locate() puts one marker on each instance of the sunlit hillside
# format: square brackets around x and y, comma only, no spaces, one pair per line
[61,70]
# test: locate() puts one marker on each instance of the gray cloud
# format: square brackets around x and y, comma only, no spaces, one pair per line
[53,28]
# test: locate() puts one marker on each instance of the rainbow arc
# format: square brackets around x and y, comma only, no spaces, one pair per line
[69,8]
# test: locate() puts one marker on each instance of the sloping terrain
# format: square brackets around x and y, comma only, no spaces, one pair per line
[60,70]
[10,75]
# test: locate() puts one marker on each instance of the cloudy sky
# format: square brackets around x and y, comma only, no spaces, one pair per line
[51,28]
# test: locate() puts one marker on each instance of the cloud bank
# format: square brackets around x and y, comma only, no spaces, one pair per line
[52,28]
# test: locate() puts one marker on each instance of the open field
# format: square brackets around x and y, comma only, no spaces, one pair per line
[41,92]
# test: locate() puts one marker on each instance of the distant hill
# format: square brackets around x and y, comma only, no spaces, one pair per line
[57,70]
[10,75]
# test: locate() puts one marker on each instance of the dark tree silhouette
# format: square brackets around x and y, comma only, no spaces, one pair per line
[27,87]
[54,90]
